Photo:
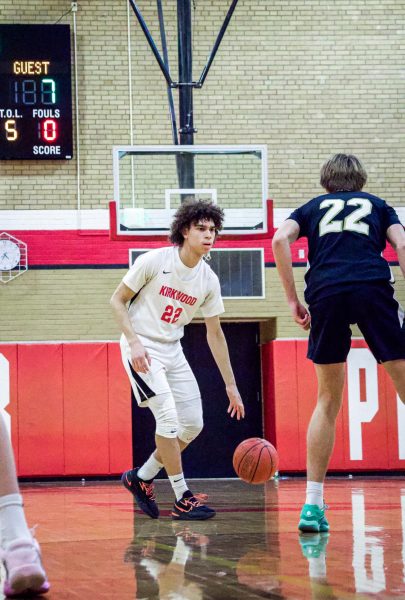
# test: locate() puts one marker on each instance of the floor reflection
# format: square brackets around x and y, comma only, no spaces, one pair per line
[97,545]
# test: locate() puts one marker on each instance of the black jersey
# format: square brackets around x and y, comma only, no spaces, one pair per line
[346,234]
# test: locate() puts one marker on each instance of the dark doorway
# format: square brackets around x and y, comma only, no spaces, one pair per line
[210,455]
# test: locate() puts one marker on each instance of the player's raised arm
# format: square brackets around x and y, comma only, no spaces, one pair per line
[396,237]
[219,348]
[283,238]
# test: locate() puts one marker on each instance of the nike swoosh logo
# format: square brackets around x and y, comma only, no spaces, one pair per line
[177,480]
[166,272]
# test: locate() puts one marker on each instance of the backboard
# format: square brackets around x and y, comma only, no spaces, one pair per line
[151,182]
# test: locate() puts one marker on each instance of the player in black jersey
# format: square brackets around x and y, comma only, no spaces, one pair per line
[348,281]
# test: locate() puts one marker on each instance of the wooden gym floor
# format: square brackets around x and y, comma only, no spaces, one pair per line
[97,545]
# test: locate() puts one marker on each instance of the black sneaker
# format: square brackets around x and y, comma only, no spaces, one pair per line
[143,492]
[189,508]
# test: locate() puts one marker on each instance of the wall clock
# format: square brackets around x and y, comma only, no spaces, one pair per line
[13,257]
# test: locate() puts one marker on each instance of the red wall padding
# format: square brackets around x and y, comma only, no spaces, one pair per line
[85,409]
[119,412]
[70,407]
[294,391]
[40,409]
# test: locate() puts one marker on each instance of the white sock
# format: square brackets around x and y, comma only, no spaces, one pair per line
[314,493]
[12,519]
[150,469]
[181,552]
[178,484]
[317,567]
[153,567]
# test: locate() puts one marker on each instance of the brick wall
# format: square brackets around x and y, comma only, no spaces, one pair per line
[306,78]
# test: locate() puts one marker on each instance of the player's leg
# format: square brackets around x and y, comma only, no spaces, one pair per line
[20,552]
[320,442]
[321,430]
[168,432]
[144,475]
[152,390]
[163,409]
[167,446]
[145,386]
[156,461]
[396,370]
[187,397]
[329,344]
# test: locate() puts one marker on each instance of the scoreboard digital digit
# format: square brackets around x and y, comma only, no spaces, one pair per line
[35,92]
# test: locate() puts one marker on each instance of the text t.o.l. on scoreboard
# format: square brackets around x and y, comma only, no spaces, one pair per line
[35,92]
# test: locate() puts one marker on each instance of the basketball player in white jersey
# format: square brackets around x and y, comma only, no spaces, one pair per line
[164,289]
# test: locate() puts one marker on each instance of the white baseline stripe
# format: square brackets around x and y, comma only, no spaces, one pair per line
[32,220]
[54,219]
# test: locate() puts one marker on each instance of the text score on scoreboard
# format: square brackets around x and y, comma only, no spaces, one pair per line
[35,92]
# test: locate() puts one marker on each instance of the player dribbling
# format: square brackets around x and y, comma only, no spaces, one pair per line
[163,290]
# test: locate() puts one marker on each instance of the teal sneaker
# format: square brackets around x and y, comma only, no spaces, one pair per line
[313,545]
[313,520]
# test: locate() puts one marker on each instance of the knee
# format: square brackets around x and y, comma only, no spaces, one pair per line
[167,425]
[329,405]
[187,432]
[165,414]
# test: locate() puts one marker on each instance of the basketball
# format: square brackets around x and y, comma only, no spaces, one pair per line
[255,460]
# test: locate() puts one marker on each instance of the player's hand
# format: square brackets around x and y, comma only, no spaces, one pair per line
[140,358]
[235,402]
[300,315]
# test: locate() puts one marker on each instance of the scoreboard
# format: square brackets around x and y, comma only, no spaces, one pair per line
[35,92]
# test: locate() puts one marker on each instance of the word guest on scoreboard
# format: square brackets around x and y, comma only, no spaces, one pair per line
[35,92]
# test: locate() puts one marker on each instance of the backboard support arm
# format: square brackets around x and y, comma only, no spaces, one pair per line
[217,43]
[161,63]
[151,43]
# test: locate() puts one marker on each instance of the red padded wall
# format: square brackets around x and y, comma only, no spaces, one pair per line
[86,409]
[119,412]
[286,405]
[294,401]
[70,407]
[40,409]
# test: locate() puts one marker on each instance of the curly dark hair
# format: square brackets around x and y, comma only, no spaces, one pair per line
[190,213]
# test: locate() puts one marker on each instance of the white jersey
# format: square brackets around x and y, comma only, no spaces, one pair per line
[168,294]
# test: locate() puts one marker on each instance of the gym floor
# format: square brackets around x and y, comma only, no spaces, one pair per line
[97,545]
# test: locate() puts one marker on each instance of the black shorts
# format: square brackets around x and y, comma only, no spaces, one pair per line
[373,308]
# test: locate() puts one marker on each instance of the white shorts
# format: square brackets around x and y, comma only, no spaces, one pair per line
[168,373]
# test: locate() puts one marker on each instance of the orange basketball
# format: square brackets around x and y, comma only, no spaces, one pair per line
[255,460]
